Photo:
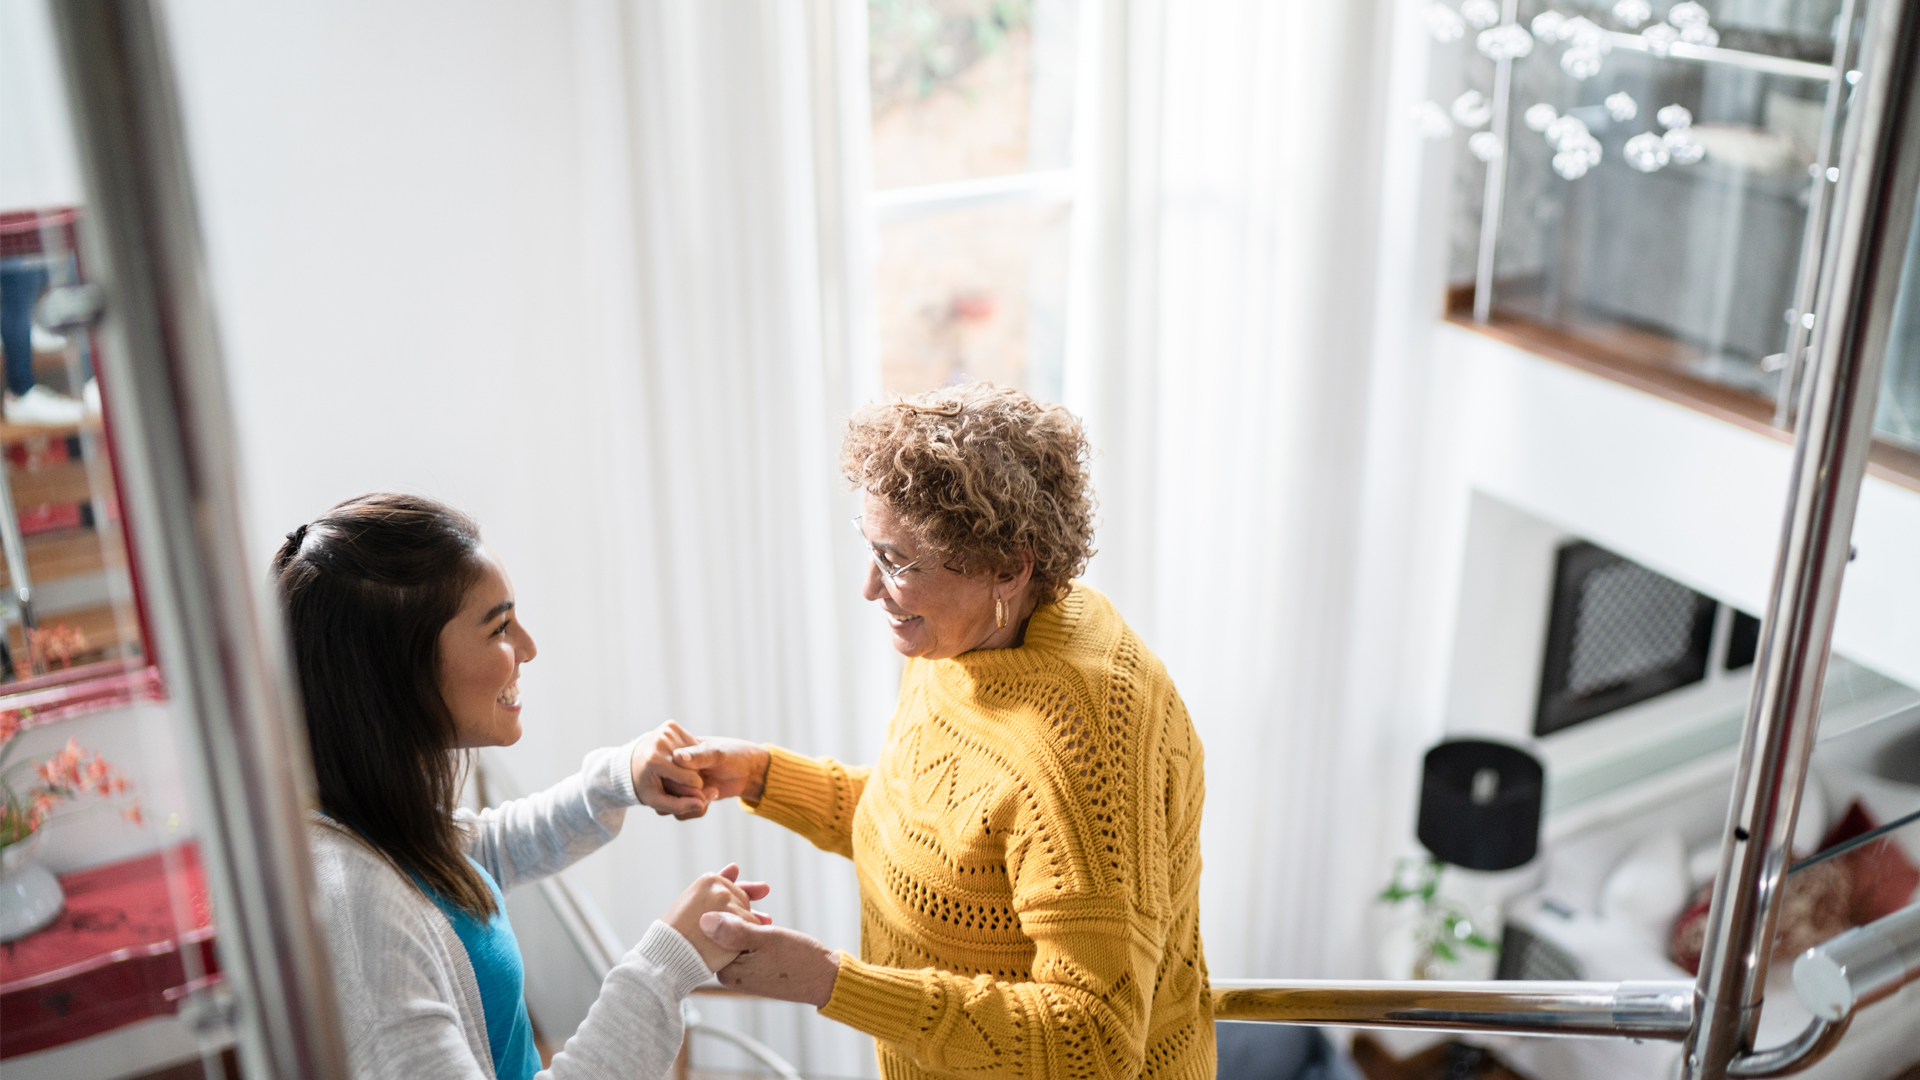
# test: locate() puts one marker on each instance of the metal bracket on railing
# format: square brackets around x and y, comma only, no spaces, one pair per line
[1813,1043]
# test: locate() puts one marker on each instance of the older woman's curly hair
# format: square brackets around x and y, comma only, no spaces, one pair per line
[977,473]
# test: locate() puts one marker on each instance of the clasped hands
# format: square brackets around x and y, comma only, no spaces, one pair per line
[678,775]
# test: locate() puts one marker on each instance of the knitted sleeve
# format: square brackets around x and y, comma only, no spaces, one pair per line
[1083,1015]
[814,797]
[1087,862]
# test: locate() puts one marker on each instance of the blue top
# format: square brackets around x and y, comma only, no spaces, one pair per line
[495,956]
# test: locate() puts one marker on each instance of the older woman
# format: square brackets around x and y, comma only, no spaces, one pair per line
[1027,844]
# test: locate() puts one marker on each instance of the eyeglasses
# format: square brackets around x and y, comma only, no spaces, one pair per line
[887,570]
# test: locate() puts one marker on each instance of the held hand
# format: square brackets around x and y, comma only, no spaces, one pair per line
[714,894]
[728,767]
[662,785]
[772,961]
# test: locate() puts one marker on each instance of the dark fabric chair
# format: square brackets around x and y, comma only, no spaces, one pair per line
[1251,1051]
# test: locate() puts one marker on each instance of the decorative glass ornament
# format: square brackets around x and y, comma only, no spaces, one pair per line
[1674,116]
[1584,33]
[1472,109]
[1631,13]
[1444,23]
[1484,145]
[1566,131]
[1509,42]
[1659,38]
[1647,152]
[1682,147]
[1687,13]
[1431,120]
[1581,63]
[1622,107]
[1547,24]
[1539,116]
[1480,13]
[1700,35]
[1571,164]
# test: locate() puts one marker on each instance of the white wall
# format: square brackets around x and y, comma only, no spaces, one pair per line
[1695,498]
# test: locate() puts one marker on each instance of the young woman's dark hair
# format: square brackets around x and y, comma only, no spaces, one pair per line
[366,590]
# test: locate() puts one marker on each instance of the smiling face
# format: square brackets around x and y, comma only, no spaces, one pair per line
[936,613]
[481,650]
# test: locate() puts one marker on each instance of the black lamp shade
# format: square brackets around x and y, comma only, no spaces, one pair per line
[1480,804]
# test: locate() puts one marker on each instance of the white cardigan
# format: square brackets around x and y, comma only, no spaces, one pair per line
[408,999]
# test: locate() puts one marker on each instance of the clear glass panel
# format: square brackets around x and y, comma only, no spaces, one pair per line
[1655,205]
[974,294]
[963,89]
[1898,420]
[104,905]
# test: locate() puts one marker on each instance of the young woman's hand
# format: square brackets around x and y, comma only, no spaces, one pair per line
[720,893]
[772,961]
[663,785]
[728,767]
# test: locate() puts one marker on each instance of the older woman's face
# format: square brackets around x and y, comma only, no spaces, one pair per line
[935,613]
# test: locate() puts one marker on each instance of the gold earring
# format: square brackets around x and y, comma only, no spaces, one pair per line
[999,611]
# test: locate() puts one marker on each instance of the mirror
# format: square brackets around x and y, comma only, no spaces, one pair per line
[74,635]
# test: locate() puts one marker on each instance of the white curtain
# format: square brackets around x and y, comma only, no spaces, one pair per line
[737,581]
[1246,373]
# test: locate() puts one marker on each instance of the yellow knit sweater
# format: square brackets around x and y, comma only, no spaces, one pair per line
[1028,852]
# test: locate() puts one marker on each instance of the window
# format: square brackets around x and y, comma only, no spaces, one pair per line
[972,126]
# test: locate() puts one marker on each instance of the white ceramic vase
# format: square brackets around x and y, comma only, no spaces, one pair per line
[30,896]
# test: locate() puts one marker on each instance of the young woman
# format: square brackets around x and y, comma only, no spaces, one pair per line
[408,651]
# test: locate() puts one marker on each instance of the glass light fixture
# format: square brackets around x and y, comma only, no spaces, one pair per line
[1683,146]
[1484,145]
[1622,107]
[1538,116]
[1688,13]
[1472,109]
[1431,121]
[1632,13]
[1647,152]
[1547,24]
[1444,23]
[1510,42]
[1581,62]
[1572,164]
[1480,13]
[1674,116]
[1566,131]
[1660,38]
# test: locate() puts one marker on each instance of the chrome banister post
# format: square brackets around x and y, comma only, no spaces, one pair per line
[1829,459]
[223,661]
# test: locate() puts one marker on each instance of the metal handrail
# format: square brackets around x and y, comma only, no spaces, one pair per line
[1860,967]
[1640,1010]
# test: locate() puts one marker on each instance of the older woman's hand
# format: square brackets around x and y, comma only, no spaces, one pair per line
[662,784]
[728,767]
[772,961]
